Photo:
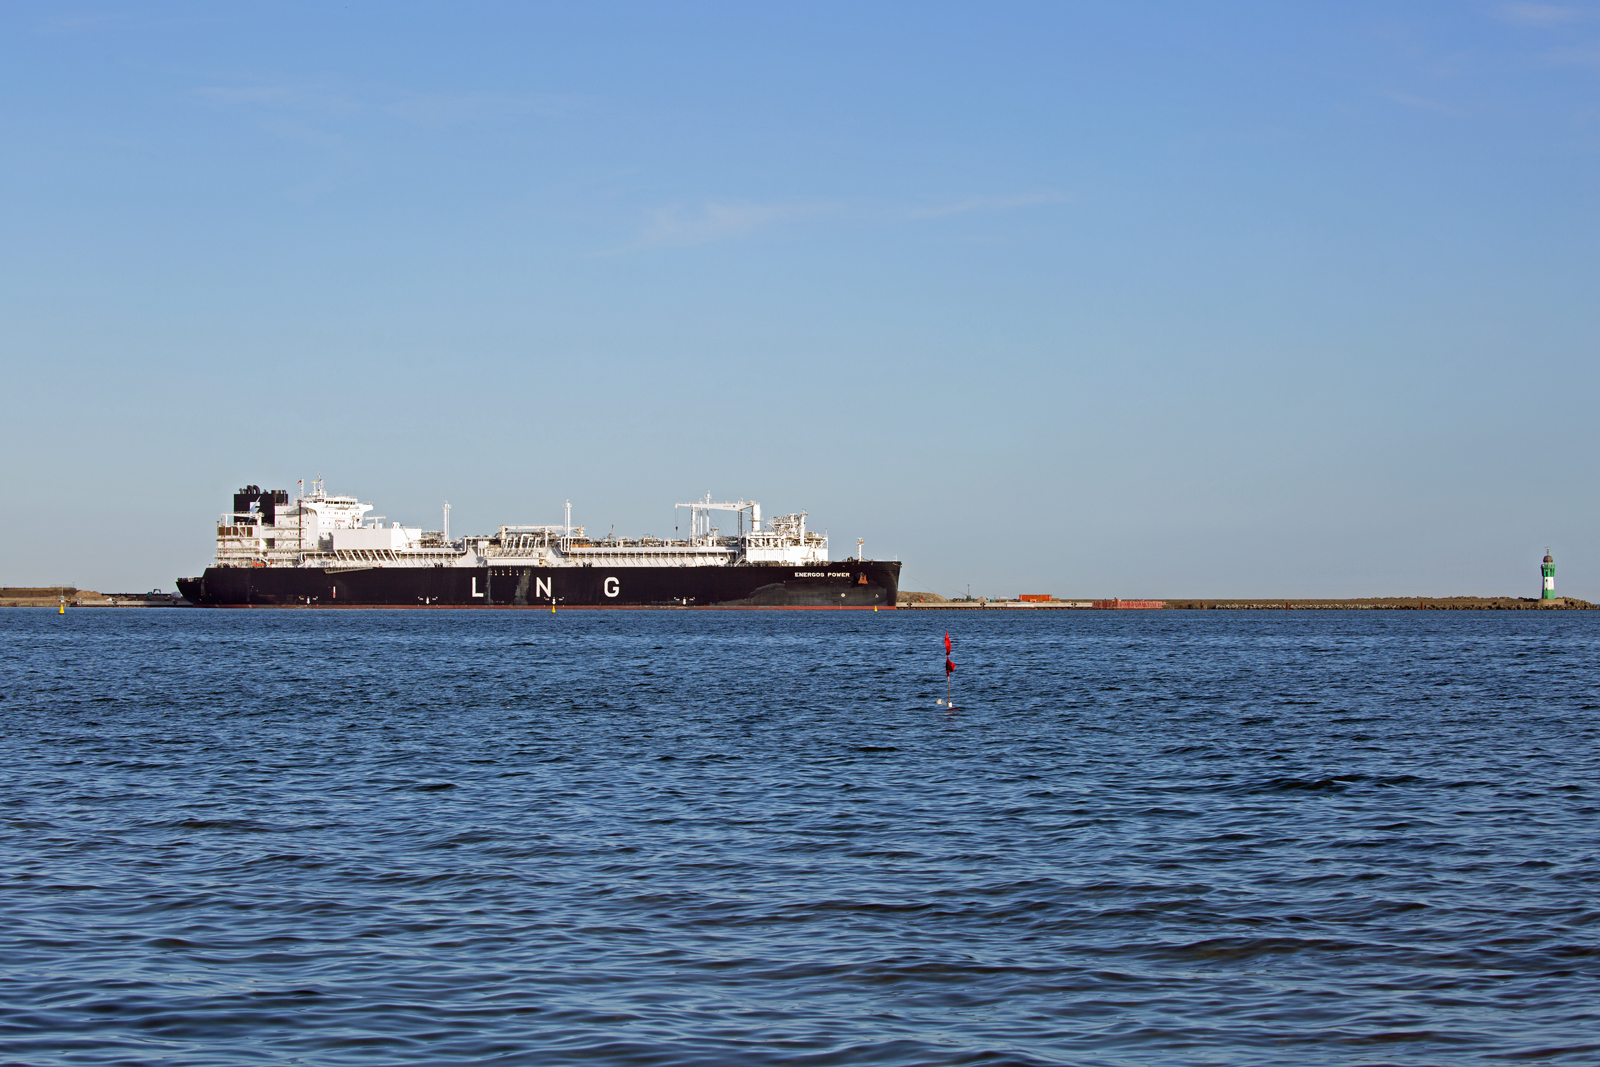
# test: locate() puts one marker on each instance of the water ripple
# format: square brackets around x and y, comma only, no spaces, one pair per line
[707,838]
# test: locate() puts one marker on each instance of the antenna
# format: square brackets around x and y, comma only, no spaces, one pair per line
[447,520]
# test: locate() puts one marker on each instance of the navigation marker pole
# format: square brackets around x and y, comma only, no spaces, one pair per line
[949,668]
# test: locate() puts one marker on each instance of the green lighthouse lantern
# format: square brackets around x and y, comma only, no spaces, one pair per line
[1548,569]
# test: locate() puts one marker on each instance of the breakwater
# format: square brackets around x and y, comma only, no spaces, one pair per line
[926,601]
[1392,603]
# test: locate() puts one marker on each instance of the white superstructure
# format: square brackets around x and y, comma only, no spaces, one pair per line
[337,533]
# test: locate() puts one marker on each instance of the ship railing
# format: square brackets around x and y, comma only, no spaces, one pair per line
[608,551]
[425,554]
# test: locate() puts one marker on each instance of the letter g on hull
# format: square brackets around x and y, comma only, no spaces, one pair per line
[613,587]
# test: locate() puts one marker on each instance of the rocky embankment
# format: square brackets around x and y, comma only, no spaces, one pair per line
[52,596]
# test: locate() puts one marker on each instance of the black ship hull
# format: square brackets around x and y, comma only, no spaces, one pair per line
[839,584]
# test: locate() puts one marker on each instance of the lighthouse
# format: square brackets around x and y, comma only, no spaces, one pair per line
[1548,569]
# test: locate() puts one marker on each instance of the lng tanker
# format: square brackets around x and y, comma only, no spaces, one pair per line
[322,550]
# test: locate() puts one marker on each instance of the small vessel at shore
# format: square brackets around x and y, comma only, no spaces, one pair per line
[325,550]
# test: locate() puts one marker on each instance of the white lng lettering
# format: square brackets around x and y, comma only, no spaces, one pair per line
[613,587]
[475,586]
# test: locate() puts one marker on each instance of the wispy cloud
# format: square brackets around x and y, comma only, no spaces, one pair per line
[1540,15]
[295,130]
[680,227]
[421,109]
[1551,17]
[108,21]
[448,109]
[987,203]
[301,97]
[84,23]
[1574,57]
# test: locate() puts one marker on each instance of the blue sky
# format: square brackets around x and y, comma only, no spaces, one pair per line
[1091,299]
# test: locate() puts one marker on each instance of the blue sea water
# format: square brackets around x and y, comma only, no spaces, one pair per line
[372,837]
